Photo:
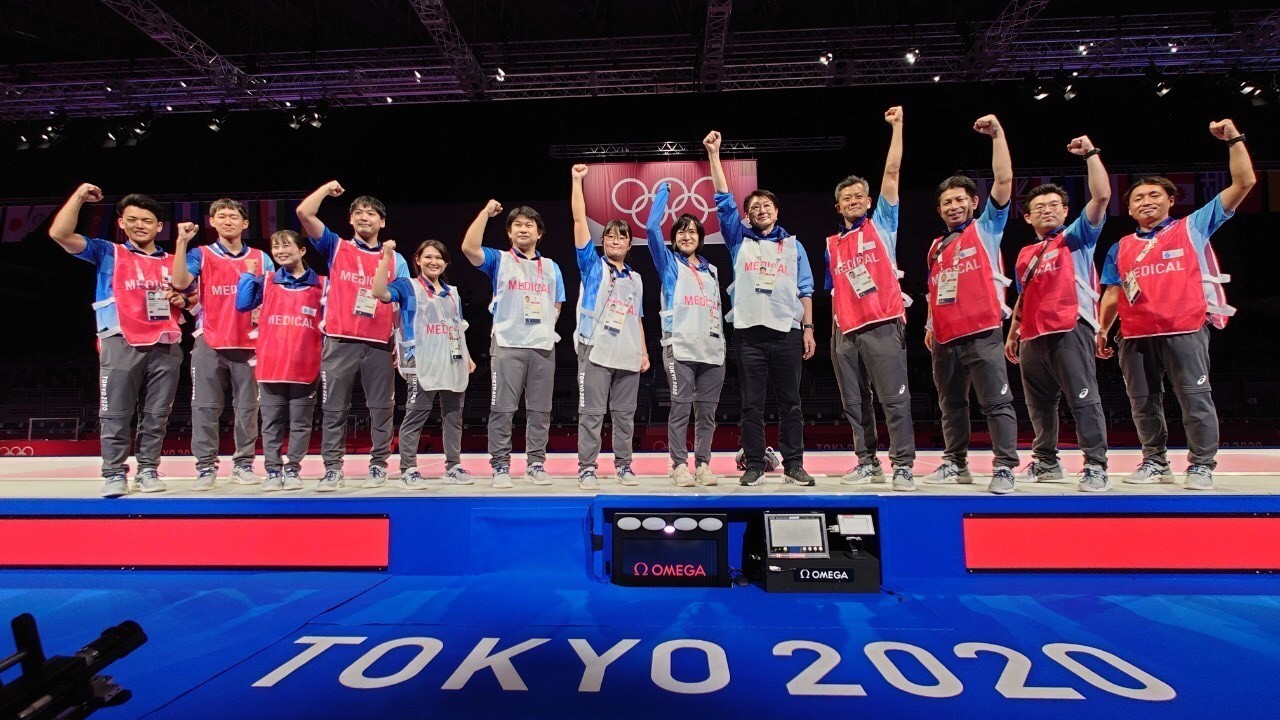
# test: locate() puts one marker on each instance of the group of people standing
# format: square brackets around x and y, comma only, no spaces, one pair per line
[276,334]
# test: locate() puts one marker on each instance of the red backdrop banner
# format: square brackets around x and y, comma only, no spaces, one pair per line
[625,191]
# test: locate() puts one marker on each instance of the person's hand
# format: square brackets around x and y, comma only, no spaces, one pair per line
[1104,350]
[644,363]
[1080,145]
[493,208]
[988,125]
[579,171]
[928,340]
[334,188]
[810,345]
[251,266]
[712,142]
[88,192]
[186,231]
[471,366]
[175,298]
[893,115]
[1011,349]
[1224,129]
[389,248]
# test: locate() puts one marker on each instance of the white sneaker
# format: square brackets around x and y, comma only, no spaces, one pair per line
[949,473]
[148,481]
[413,480]
[587,480]
[458,475]
[1199,477]
[681,476]
[243,475]
[703,475]
[863,473]
[206,479]
[502,478]
[903,480]
[376,478]
[1001,481]
[1044,472]
[332,480]
[537,475]
[1093,480]
[115,486]
[626,476]
[292,481]
[1149,473]
[274,482]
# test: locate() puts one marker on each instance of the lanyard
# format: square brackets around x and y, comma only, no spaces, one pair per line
[697,271]
[517,258]
[948,239]
[1035,261]
[1152,238]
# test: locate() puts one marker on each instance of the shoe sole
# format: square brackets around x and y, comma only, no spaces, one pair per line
[503,485]
[203,488]
[1087,489]
[371,486]
[999,491]
[419,486]
[113,495]
[326,488]
[246,482]
[455,481]
[1187,486]
[904,488]
[268,488]
[162,488]
[588,487]
[1167,479]
[683,484]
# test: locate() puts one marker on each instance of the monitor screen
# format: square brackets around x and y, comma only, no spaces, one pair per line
[798,535]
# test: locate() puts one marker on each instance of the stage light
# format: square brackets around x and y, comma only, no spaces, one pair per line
[417,76]
[912,56]
[219,118]
[501,75]
[318,113]
[1162,88]
[110,142]
[183,83]
[1063,84]
[141,123]
[1041,92]
[109,88]
[1173,47]
[295,121]
[826,58]
[389,100]
[936,78]
[1083,49]
[1158,82]
[23,143]
[168,108]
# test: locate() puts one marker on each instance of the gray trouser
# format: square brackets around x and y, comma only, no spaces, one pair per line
[127,374]
[976,360]
[601,388]
[211,372]
[341,362]
[287,409]
[416,410]
[516,372]
[1144,362]
[881,350]
[1062,365]
[695,387]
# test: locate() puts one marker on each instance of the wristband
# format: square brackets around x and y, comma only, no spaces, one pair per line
[1091,153]
[1237,139]
[809,326]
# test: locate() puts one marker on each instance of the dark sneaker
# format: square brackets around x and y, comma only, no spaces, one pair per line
[798,476]
[752,477]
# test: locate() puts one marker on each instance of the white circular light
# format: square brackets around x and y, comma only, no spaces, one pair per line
[710,524]
[628,523]
[654,523]
[685,523]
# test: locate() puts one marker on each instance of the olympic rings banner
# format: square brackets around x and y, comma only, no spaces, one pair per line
[625,191]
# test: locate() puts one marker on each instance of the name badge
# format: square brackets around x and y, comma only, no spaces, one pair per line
[861,280]
[532,309]
[1049,255]
[714,329]
[455,343]
[1171,254]
[158,307]
[615,314]
[766,277]
[966,252]
[1131,289]
[865,246]
[948,282]
[366,303]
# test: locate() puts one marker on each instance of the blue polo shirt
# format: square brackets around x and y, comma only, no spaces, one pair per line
[666,260]
[1200,225]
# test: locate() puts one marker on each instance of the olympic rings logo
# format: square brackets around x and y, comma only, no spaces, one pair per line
[17,451]
[676,202]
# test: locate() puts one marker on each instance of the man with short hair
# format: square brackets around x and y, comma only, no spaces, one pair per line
[1164,284]
[772,316]
[528,291]
[357,331]
[966,318]
[223,352]
[139,357]
[1056,319]
[869,313]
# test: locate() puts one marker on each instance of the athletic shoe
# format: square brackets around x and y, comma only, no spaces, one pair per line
[1044,472]
[413,480]
[115,486]
[274,482]
[1149,473]
[1199,477]
[903,481]
[376,478]
[502,477]
[148,481]
[587,480]
[752,478]
[243,475]
[626,476]
[681,476]
[863,473]
[206,479]
[291,480]
[798,476]
[703,475]
[537,475]
[949,473]
[1001,481]
[457,475]
[332,480]
[1094,479]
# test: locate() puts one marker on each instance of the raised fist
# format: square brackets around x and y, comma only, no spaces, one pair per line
[1224,129]
[334,188]
[389,248]
[578,171]
[186,231]
[493,208]
[251,266]
[712,141]
[987,125]
[89,192]
[893,115]
[1080,145]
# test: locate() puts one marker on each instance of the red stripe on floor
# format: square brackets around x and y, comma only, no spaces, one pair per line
[1122,543]
[205,542]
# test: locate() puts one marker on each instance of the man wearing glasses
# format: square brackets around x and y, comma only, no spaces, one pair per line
[1056,320]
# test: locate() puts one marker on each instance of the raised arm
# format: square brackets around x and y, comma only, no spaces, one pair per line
[181,278]
[1001,164]
[473,241]
[1099,184]
[712,143]
[893,161]
[581,231]
[310,206]
[1242,177]
[387,258]
[63,227]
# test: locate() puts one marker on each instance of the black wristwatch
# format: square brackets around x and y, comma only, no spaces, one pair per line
[1091,153]
[1237,139]
[808,326]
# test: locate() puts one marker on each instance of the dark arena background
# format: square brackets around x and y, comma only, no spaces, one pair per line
[467,601]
